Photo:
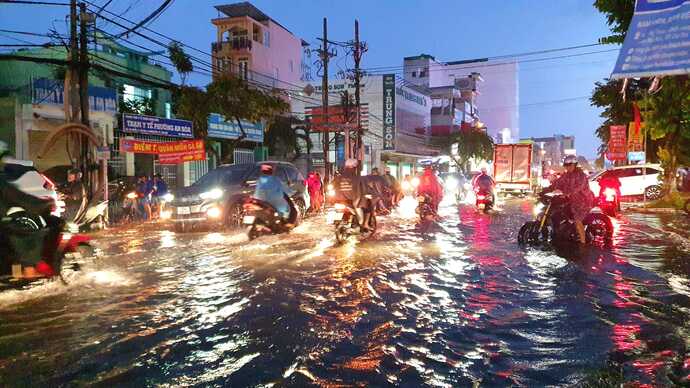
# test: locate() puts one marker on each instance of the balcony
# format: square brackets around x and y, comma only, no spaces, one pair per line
[235,45]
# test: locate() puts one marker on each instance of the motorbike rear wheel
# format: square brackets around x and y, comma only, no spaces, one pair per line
[529,234]
[598,230]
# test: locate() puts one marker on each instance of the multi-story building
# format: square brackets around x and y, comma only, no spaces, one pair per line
[256,47]
[548,152]
[480,93]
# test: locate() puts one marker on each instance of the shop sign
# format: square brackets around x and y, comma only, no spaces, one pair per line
[219,128]
[52,92]
[409,96]
[637,156]
[158,126]
[657,40]
[389,112]
[636,137]
[175,152]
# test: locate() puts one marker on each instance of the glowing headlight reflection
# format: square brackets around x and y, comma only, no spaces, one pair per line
[451,183]
[538,209]
[212,194]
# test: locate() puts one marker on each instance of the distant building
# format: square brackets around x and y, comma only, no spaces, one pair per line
[476,93]
[548,152]
[254,46]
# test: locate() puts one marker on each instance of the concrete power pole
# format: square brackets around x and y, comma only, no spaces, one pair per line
[359,144]
[72,74]
[324,100]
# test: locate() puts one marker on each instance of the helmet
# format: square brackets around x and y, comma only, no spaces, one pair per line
[483,170]
[351,163]
[267,169]
[570,159]
[74,171]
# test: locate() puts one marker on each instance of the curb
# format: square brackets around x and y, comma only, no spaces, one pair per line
[659,210]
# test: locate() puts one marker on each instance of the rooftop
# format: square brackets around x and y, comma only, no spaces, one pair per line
[246,8]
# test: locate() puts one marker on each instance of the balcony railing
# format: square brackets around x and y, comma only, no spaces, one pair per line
[233,44]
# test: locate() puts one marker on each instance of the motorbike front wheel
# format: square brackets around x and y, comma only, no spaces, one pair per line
[341,234]
[252,233]
[598,230]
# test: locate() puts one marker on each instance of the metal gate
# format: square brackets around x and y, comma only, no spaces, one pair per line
[168,173]
[242,156]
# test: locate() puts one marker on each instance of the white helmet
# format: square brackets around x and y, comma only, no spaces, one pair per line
[570,159]
[351,163]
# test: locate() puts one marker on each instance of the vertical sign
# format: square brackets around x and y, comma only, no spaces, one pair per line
[389,112]
[618,149]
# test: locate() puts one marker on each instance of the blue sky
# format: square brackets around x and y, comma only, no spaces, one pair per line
[449,30]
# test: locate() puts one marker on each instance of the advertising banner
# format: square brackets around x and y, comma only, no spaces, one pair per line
[150,125]
[636,137]
[618,148]
[219,128]
[657,41]
[338,119]
[52,92]
[168,153]
[389,112]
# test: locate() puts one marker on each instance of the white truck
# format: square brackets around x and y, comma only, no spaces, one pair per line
[513,168]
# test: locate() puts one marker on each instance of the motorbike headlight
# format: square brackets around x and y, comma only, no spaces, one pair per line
[538,209]
[214,212]
[415,182]
[132,195]
[451,183]
[405,185]
[168,197]
[212,194]
[339,206]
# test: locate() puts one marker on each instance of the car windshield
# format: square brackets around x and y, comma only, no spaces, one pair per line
[223,176]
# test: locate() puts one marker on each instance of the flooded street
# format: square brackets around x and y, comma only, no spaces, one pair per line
[452,304]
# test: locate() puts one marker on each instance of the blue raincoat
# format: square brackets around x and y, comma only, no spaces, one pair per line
[272,190]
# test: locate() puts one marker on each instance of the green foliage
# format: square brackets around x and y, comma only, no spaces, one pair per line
[181,60]
[282,139]
[472,144]
[615,111]
[143,106]
[618,15]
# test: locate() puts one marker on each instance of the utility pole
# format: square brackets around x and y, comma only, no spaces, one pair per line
[324,100]
[72,75]
[359,144]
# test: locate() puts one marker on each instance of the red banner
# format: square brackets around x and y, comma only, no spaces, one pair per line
[337,119]
[618,148]
[175,152]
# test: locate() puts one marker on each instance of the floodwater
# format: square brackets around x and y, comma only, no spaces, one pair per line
[452,304]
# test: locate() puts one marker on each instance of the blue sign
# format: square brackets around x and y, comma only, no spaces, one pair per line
[657,40]
[151,125]
[52,92]
[636,156]
[219,128]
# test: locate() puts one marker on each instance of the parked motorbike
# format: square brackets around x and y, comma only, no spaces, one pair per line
[262,218]
[92,215]
[609,202]
[425,208]
[554,224]
[343,217]
[484,200]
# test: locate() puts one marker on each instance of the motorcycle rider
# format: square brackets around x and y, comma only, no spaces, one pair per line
[429,184]
[394,186]
[575,186]
[11,196]
[73,193]
[273,191]
[144,189]
[484,182]
[350,188]
[377,187]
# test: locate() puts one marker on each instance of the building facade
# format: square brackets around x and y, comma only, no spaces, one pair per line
[481,92]
[548,152]
[256,47]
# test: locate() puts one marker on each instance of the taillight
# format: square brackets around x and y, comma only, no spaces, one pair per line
[481,197]
[48,184]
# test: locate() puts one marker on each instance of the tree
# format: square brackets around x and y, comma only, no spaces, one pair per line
[618,13]
[180,60]
[142,106]
[471,144]
[282,139]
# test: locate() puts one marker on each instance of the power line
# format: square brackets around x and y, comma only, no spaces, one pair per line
[31,2]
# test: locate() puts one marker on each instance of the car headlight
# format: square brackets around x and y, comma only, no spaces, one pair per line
[168,197]
[132,195]
[212,194]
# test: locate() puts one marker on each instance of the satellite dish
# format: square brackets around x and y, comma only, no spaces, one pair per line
[308,90]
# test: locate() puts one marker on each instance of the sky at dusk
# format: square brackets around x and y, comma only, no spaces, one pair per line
[553,94]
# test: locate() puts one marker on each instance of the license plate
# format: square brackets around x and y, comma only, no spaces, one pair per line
[481,206]
[332,217]
[248,220]
[183,210]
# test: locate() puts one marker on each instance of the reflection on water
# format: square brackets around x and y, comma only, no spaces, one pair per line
[450,304]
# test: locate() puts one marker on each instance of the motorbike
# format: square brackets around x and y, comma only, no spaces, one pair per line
[343,217]
[554,224]
[609,202]
[72,251]
[425,208]
[262,218]
[484,200]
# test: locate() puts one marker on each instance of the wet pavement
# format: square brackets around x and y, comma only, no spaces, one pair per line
[456,303]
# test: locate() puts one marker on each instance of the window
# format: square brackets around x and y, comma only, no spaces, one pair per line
[267,38]
[168,110]
[281,173]
[292,66]
[652,171]
[242,66]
